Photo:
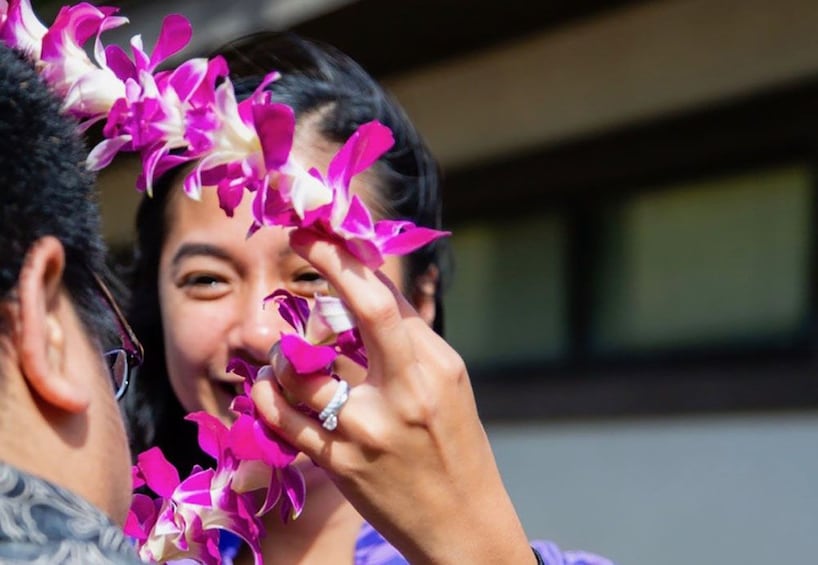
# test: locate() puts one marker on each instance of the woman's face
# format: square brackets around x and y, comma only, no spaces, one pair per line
[212,282]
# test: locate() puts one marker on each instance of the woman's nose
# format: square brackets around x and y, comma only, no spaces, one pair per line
[257,330]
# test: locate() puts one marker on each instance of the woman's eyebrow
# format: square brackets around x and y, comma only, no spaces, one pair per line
[198,250]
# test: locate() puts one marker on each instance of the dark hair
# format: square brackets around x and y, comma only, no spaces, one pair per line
[45,188]
[316,79]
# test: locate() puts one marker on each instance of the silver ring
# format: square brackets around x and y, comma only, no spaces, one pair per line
[329,415]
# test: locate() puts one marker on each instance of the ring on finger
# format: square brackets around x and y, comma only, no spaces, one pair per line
[329,415]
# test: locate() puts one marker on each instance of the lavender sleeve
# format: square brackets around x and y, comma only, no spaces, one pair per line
[372,549]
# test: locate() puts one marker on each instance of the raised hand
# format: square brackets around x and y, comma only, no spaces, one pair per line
[409,450]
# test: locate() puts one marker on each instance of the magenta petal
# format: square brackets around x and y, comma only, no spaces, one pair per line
[173,37]
[196,488]
[230,195]
[105,151]
[410,240]
[187,78]
[243,368]
[363,148]
[75,24]
[305,357]
[141,517]
[265,82]
[271,209]
[358,220]
[275,125]
[349,343]
[132,528]
[365,251]
[242,404]
[294,309]
[295,489]
[212,433]
[21,28]
[275,452]
[137,480]
[243,441]
[118,61]
[273,495]
[160,476]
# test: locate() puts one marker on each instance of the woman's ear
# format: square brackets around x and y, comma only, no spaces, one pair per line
[424,291]
[42,326]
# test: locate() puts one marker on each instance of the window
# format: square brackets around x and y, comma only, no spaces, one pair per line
[720,261]
[507,302]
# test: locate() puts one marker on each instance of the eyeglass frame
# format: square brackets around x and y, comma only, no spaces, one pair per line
[131,346]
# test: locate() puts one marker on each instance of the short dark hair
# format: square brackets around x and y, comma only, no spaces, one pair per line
[45,188]
[316,78]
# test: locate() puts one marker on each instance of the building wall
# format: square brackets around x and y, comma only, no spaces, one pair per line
[721,490]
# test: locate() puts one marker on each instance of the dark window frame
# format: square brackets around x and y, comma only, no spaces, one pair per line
[764,130]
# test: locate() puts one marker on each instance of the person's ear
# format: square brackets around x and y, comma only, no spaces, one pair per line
[424,291]
[42,328]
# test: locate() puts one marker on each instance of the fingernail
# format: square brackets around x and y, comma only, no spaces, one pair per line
[265,373]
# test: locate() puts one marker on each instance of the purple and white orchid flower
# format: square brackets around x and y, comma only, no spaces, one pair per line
[347,219]
[321,334]
[20,28]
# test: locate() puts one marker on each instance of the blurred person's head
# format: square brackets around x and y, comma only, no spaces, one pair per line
[59,419]
[199,281]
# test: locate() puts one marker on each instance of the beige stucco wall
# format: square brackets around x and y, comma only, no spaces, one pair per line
[631,64]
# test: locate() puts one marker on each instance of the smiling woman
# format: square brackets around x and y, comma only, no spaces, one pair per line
[200,298]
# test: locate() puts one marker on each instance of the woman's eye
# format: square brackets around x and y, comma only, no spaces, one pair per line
[308,283]
[201,280]
[310,277]
[204,285]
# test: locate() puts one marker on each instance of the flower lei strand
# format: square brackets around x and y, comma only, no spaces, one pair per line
[190,114]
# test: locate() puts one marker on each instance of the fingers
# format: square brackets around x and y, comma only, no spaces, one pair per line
[313,391]
[377,305]
[301,430]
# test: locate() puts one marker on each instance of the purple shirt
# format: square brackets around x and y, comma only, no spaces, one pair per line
[372,549]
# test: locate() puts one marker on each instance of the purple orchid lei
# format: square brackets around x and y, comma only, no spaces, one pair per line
[190,114]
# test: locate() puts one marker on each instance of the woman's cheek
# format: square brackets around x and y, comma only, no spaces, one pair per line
[189,351]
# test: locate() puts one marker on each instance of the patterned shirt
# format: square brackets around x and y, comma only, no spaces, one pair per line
[41,523]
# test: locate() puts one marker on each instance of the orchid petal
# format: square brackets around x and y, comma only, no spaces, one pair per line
[334,315]
[22,30]
[141,517]
[361,150]
[160,476]
[294,309]
[410,240]
[305,357]
[275,125]
[295,488]
[366,251]
[196,489]
[243,368]
[105,151]
[174,35]
[212,435]
[358,220]
[120,64]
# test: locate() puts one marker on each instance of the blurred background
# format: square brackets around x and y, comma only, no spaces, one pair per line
[632,191]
